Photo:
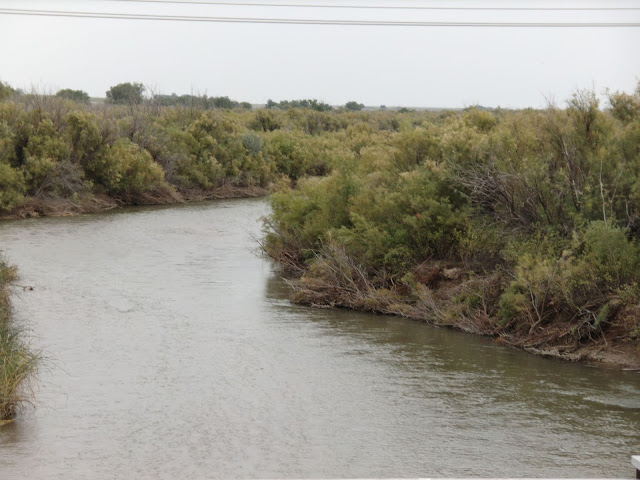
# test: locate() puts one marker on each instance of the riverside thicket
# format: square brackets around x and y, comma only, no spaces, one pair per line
[62,154]
[519,224]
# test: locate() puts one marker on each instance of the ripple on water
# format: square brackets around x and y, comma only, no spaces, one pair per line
[176,354]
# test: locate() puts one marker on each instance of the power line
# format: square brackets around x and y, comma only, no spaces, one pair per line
[373,7]
[304,21]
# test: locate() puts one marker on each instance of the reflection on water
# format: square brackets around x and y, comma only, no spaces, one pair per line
[175,354]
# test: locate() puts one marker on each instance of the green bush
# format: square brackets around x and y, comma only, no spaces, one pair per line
[6,91]
[615,258]
[579,283]
[125,94]
[264,121]
[11,187]
[18,363]
[45,148]
[537,210]
[78,96]
[125,168]
[83,136]
[213,150]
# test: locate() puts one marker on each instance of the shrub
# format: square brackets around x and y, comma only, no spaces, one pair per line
[213,151]
[83,136]
[6,91]
[18,363]
[287,152]
[125,168]
[125,94]
[353,106]
[264,121]
[78,96]
[615,258]
[625,107]
[11,187]
[252,143]
[44,150]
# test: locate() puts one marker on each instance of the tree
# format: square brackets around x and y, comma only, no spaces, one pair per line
[78,96]
[320,106]
[223,102]
[6,91]
[625,107]
[353,106]
[310,103]
[125,94]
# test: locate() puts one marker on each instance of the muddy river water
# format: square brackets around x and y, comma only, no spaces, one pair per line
[172,352]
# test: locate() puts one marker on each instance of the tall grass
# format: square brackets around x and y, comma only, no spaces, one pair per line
[18,363]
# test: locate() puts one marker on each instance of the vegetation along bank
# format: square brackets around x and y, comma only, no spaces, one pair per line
[18,362]
[62,154]
[522,225]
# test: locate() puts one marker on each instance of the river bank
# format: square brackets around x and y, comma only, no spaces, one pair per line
[50,206]
[615,347]
[522,225]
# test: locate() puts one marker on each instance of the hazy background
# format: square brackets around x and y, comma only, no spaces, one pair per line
[411,66]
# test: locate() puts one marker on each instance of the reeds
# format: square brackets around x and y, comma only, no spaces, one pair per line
[18,363]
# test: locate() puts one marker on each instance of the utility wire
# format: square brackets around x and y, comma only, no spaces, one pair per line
[373,7]
[291,21]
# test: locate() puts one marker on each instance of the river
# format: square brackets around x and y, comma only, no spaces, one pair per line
[172,352]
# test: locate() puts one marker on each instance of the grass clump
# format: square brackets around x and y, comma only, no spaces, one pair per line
[18,363]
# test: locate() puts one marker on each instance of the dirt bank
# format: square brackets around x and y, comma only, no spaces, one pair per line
[442,298]
[55,206]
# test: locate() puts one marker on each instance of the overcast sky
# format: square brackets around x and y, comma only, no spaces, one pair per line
[411,66]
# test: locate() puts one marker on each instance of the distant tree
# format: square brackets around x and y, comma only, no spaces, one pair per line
[314,104]
[125,93]
[223,102]
[353,106]
[200,101]
[311,104]
[383,107]
[480,108]
[625,107]
[182,100]
[165,100]
[78,96]
[6,91]
[264,121]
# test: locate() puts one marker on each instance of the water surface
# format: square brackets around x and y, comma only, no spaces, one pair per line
[174,353]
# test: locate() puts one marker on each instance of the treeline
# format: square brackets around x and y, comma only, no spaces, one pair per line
[312,104]
[521,224]
[199,101]
[152,150]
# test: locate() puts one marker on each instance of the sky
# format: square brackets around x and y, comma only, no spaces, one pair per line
[435,67]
